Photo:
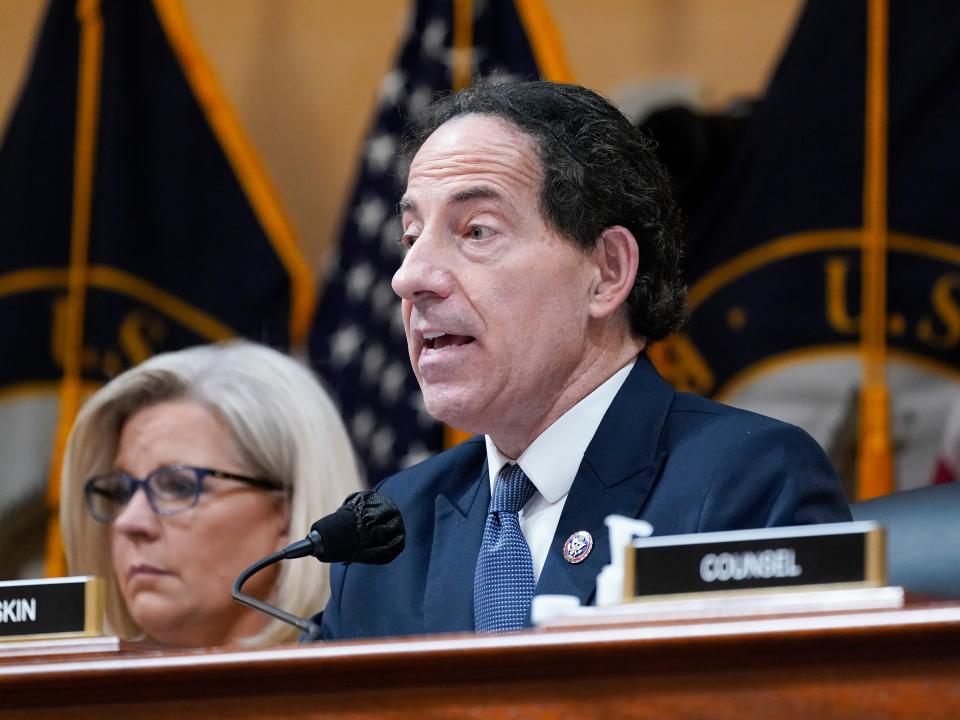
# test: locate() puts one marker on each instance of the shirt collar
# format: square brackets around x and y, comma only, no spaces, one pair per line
[553,458]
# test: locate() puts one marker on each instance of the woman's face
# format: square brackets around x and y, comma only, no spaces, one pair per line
[175,571]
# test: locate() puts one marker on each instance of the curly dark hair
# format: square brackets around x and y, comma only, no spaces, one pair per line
[599,171]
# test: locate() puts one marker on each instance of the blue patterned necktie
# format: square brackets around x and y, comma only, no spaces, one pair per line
[503,583]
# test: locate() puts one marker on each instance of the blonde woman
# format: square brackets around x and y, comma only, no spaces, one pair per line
[182,471]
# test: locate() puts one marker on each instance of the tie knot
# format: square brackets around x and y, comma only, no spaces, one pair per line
[511,491]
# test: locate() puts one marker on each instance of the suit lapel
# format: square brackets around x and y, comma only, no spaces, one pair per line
[618,470]
[457,534]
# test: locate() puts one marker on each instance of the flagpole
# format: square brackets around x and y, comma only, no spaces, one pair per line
[88,100]
[875,461]
[462,61]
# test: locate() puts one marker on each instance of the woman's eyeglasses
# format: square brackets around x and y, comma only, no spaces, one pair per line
[170,489]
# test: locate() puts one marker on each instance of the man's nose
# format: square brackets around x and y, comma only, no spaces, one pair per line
[425,271]
[137,517]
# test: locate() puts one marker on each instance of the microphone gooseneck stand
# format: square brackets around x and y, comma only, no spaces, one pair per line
[368,528]
[310,628]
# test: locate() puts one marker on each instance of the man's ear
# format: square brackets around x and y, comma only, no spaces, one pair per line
[617,257]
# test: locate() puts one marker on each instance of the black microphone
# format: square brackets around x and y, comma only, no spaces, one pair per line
[367,528]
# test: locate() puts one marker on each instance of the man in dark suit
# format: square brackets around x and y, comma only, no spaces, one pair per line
[542,259]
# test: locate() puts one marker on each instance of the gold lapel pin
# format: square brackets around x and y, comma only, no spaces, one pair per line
[577,547]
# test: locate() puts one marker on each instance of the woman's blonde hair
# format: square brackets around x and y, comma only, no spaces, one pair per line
[283,423]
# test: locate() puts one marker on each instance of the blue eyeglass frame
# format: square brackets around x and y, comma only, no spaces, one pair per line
[201,473]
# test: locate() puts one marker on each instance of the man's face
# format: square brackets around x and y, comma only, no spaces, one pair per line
[494,300]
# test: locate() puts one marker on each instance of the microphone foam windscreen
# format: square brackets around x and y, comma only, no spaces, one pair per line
[380,527]
[340,536]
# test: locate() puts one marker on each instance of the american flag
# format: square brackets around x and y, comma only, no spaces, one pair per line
[357,342]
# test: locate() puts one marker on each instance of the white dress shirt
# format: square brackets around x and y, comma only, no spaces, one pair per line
[551,462]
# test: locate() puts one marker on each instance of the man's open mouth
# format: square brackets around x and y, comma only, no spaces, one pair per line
[442,341]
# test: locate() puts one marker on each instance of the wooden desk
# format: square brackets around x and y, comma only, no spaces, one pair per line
[889,664]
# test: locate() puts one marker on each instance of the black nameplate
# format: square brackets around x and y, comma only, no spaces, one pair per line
[837,554]
[60,607]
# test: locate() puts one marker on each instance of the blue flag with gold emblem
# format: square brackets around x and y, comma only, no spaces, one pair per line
[775,253]
[136,220]
[357,342]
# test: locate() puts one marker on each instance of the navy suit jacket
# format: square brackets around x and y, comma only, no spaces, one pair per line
[683,463]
